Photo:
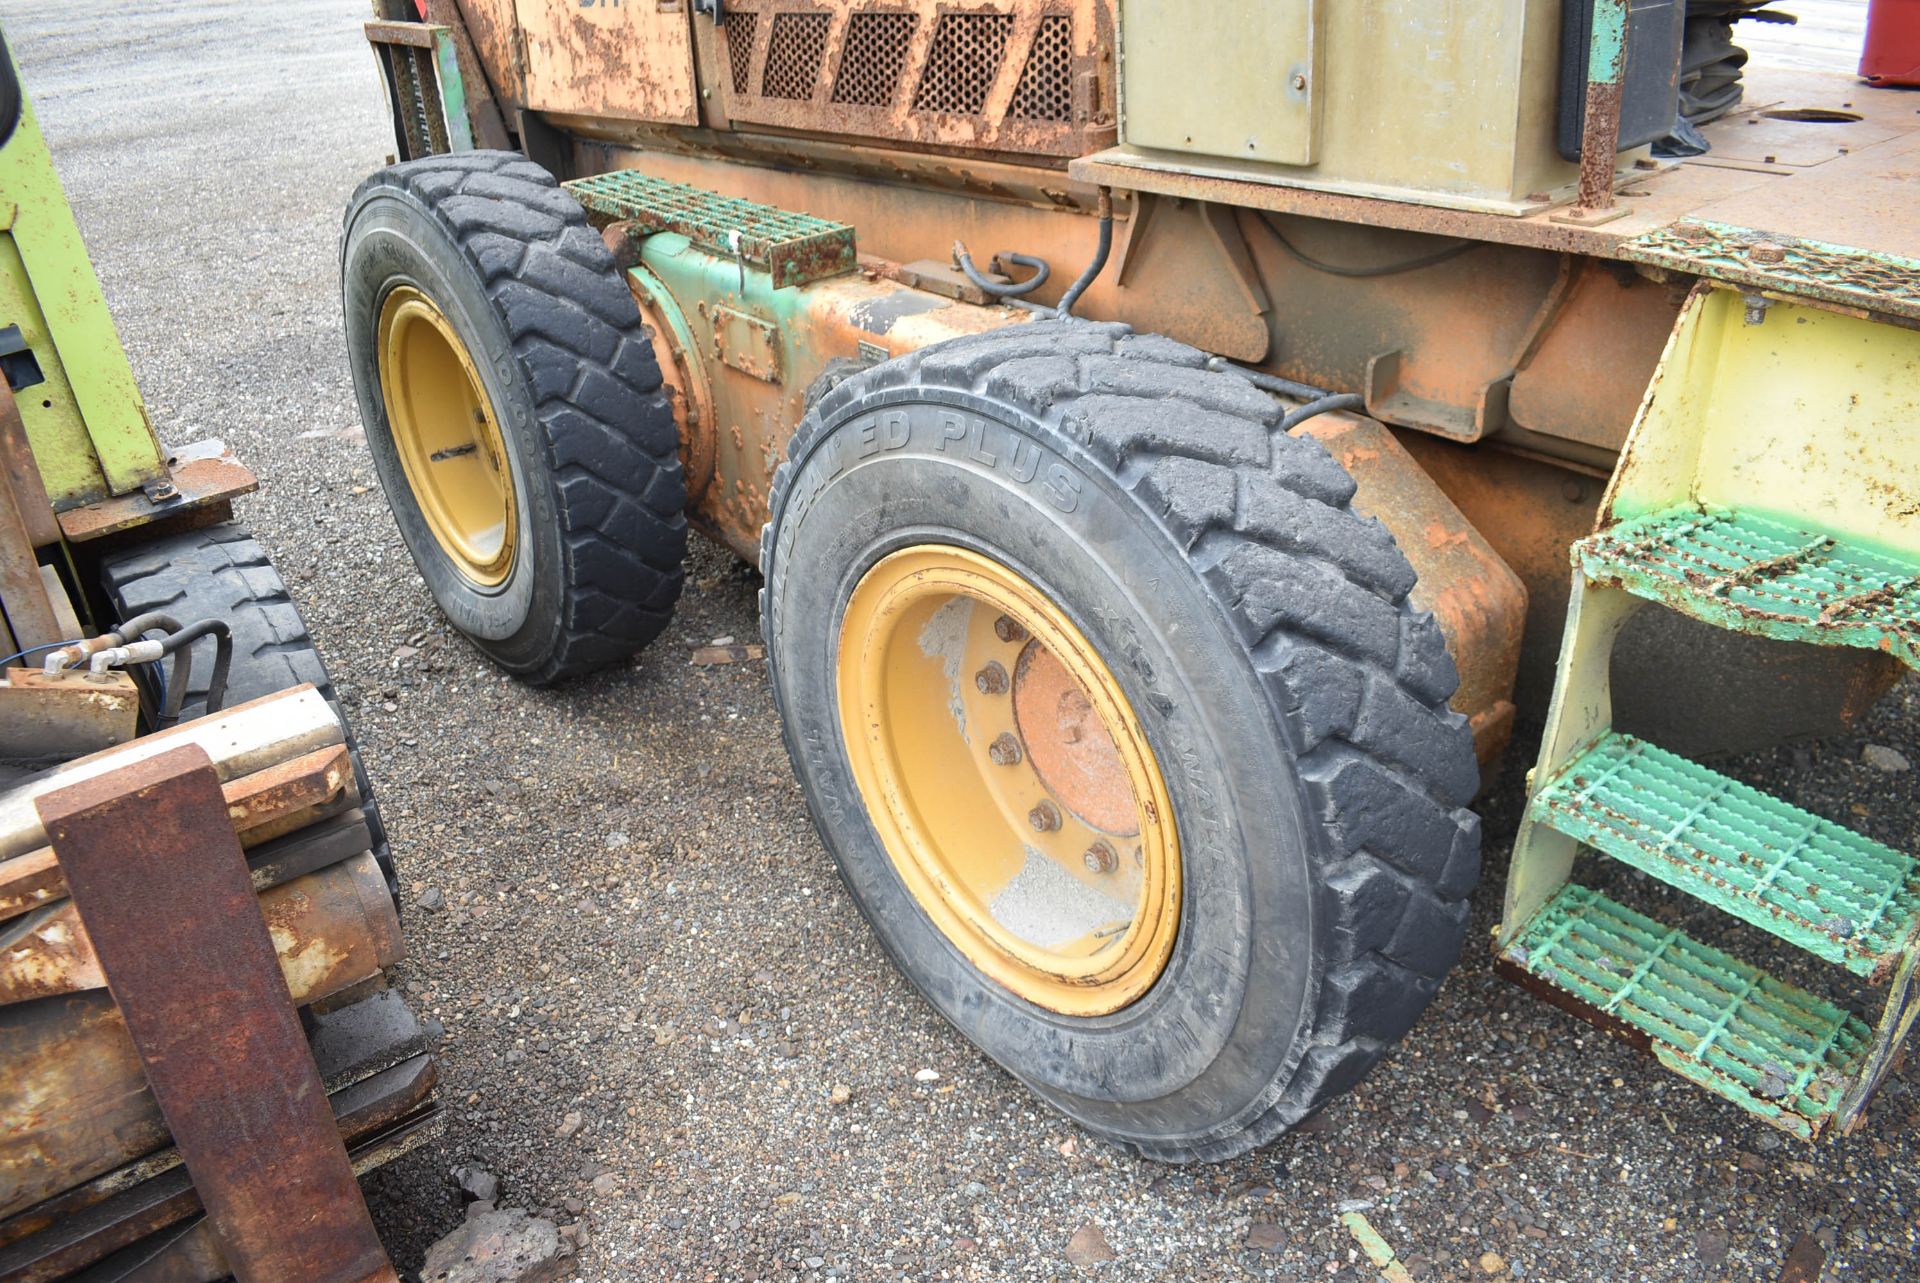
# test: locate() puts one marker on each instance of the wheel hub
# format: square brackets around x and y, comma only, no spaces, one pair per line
[1008,779]
[447,437]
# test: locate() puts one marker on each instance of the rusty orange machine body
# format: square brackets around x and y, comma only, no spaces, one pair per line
[1506,338]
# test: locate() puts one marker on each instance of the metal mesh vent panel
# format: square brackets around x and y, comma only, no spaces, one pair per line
[876,53]
[1046,82]
[740,29]
[794,48]
[965,58]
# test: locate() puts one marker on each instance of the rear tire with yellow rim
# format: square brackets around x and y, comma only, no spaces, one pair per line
[1121,727]
[514,411]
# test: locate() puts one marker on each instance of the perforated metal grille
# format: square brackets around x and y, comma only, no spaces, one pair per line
[740,29]
[876,53]
[965,58]
[1046,82]
[794,47]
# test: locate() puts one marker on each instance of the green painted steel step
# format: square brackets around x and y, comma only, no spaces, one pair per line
[1753,574]
[1771,1048]
[1813,883]
[795,249]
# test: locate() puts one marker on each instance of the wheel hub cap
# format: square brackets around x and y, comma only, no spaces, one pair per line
[447,437]
[1008,779]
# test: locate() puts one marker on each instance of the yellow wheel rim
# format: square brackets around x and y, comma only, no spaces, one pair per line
[447,437]
[1011,784]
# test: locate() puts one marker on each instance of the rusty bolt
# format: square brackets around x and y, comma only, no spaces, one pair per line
[1299,81]
[992,680]
[1008,629]
[1767,252]
[1101,859]
[1045,817]
[1004,751]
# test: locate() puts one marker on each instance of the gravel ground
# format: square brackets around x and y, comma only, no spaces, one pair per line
[652,987]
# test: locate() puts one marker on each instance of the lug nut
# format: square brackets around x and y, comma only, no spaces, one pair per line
[992,680]
[1101,859]
[1008,629]
[1004,751]
[1045,817]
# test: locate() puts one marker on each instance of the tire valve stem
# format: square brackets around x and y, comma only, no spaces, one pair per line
[992,680]
[1004,751]
[1008,629]
[1100,858]
[1045,817]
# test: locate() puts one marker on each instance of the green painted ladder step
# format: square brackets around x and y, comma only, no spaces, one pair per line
[1772,1048]
[1754,574]
[1816,884]
[795,249]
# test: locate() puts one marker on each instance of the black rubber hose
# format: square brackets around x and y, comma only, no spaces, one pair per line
[178,644]
[1434,259]
[1014,289]
[140,625]
[1288,388]
[1337,401]
[1099,263]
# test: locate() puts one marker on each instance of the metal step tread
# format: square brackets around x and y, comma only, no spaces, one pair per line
[1754,574]
[1813,883]
[795,249]
[1770,1047]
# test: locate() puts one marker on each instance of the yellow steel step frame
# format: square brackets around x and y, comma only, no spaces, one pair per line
[1770,485]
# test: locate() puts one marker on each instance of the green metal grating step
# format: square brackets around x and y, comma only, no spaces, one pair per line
[1813,883]
[1753,574]
[1769,1047]
[795,249]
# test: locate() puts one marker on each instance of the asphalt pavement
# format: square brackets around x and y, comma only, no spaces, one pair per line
[664,1021]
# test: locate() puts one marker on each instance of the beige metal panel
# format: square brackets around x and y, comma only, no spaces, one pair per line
[633,61]
[1448,102]
[1240,81]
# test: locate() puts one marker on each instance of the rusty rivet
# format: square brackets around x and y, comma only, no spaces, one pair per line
[992,680]
[1008,629]
[1767,252]
[1299,80]
[1045,817]
[1101,859]
[1004,751]
[1572,490]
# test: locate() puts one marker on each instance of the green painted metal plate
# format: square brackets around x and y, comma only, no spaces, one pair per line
[1754,574]
[1768,1046]
[1814,883]
[793,248]
[1758,260]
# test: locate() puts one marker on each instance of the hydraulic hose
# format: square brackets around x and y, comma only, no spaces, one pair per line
[1337,401]
[1099,263]
[1013,289]
[179,644]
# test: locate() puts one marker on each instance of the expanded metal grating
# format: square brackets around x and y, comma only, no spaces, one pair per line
[1046,82]
[740,28]
[963,63]
[795,45]
[1767,1045]
[874,56]
[1757,575]
[1817,884]
[793,248]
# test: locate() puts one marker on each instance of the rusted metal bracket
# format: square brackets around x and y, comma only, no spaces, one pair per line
[152,845]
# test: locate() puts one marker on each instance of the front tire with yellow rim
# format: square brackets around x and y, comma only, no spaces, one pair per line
[514,411]
[1121,727]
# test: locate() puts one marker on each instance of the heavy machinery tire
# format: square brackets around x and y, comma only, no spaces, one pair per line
[222,572]
[514,411]
[1157,560]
